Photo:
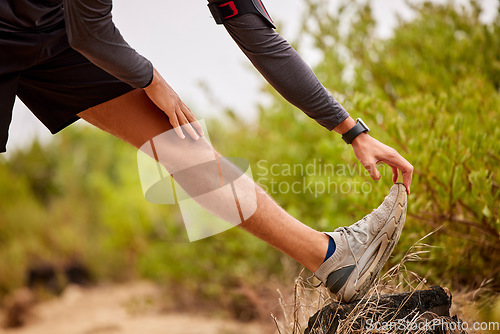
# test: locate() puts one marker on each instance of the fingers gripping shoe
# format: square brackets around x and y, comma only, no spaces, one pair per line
[363,248]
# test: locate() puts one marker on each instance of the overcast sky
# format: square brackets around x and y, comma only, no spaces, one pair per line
[187,47]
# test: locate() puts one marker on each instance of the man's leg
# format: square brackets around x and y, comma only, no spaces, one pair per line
[362,249]
[135,119]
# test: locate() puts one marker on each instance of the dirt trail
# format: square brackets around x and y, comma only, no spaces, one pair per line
[122,309]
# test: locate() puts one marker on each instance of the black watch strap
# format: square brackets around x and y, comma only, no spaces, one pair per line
[355,131]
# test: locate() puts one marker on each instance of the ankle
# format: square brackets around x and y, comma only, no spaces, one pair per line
[320,250]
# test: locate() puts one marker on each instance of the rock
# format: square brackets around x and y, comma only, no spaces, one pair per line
[422,311]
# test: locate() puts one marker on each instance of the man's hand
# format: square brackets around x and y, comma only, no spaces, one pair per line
[370,151]
[178,113]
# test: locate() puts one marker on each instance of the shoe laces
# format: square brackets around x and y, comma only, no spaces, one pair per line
[354,231]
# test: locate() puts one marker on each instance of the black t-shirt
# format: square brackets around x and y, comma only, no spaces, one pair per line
[16,15]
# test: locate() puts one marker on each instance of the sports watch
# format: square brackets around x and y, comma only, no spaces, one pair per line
[355,131]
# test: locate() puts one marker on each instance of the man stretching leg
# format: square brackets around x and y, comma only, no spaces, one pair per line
[117,90]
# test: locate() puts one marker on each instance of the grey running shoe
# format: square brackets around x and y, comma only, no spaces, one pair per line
[363,248]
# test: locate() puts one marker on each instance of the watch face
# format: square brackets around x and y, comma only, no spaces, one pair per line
[363,124]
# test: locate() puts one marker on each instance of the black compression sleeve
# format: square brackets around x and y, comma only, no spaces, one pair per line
[284,69]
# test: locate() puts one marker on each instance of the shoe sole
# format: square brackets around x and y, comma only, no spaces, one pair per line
[368,282]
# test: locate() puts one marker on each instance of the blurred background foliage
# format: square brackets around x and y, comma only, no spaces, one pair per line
[431,91]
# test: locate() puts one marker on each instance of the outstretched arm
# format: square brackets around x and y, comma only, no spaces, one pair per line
[285,70]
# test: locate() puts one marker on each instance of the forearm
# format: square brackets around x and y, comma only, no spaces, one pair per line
[285,70]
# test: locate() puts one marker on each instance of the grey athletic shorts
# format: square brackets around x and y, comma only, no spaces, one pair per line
[53,80]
